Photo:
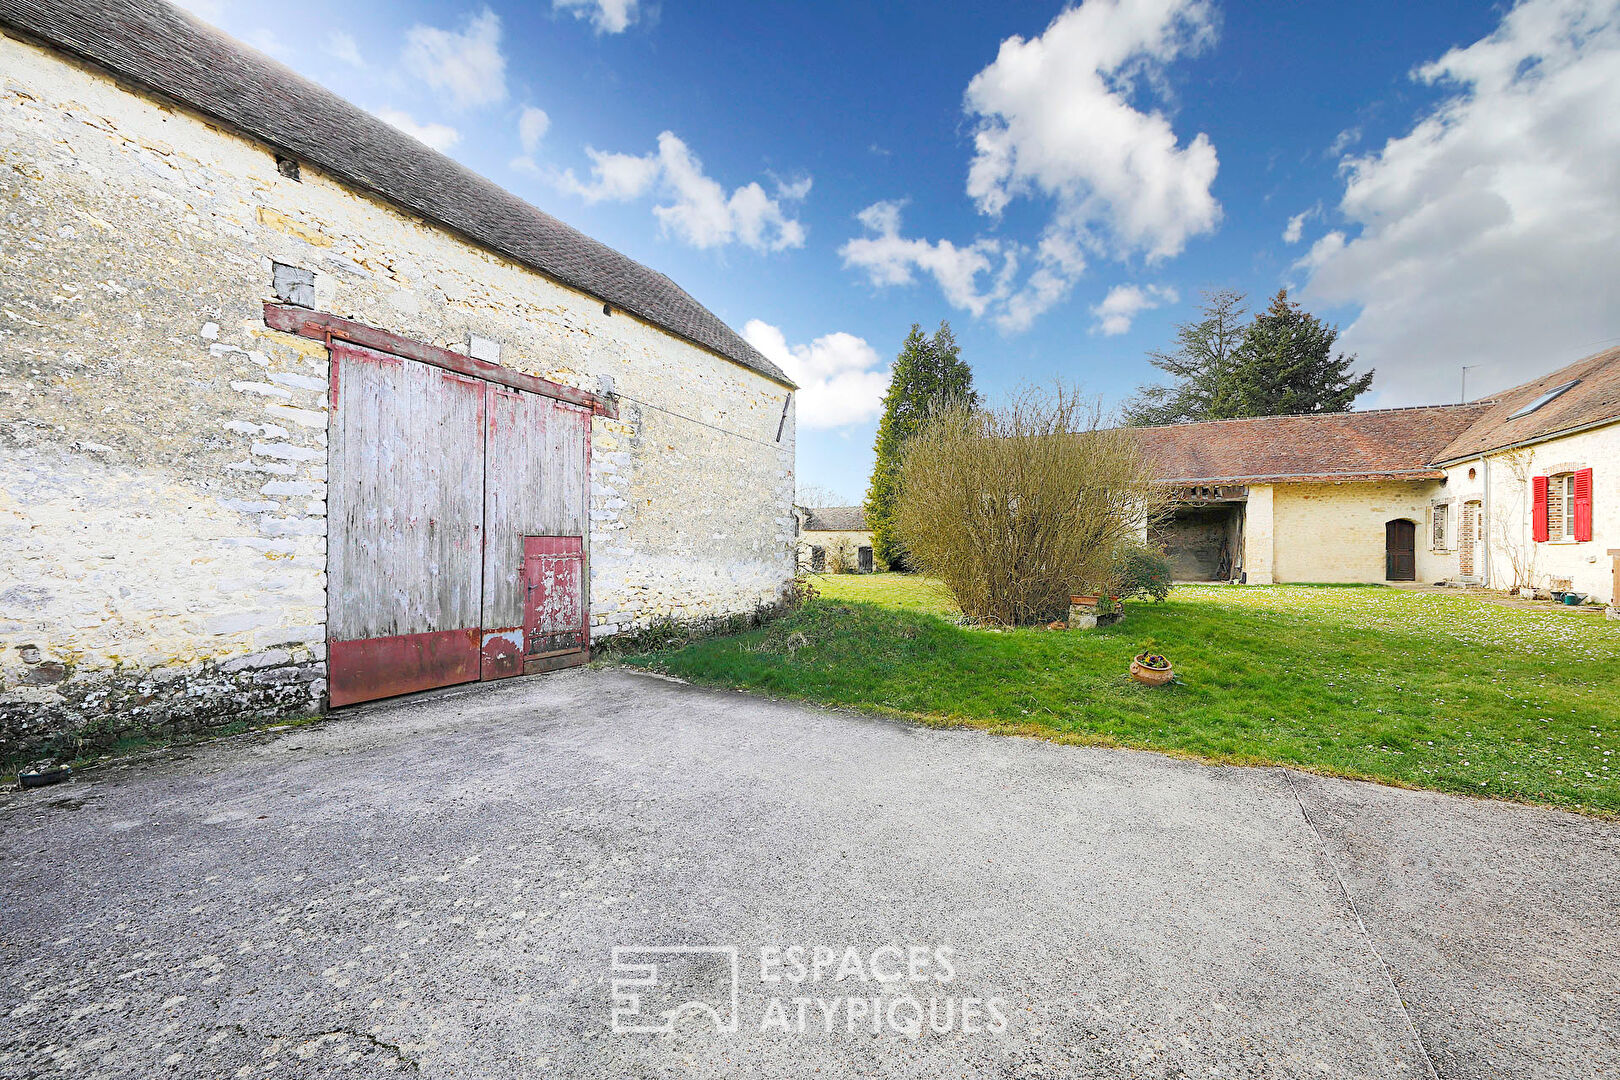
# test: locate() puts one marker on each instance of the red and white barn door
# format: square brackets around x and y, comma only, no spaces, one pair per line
[536,504]
[437,482]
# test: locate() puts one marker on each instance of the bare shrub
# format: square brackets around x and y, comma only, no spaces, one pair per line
[1017,507]
[841,558]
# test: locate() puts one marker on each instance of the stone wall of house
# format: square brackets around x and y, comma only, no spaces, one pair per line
[1515,558]
[1333,533]
[828,540]
[162,508]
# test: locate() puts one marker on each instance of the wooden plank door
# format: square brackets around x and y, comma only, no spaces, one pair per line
[1400,550]
[405,526]
[536,465]
[554,623]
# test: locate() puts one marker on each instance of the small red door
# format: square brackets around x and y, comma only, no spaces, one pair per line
[554,630]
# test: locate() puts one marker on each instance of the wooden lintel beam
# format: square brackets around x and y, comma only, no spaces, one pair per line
[323,326]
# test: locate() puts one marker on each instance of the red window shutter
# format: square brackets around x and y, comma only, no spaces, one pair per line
[1583,505]
[1538,509]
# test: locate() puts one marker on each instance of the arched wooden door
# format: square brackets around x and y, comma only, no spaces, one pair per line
[1400,550]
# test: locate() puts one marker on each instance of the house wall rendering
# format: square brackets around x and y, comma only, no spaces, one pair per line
[1501,483]
[164,509]
[1334,533]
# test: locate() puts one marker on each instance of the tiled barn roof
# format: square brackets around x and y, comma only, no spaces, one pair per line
[1594,399]
[166,52]
[835,519]
[1370,445]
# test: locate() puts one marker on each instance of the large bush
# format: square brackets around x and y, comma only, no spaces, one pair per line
[1016,508]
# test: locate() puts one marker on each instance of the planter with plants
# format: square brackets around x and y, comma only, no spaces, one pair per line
[1151,669]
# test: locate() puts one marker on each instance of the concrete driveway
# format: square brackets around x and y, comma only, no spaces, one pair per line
[436,886]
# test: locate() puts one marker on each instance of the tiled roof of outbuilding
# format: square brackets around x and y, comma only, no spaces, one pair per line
[1594,399]
[1382,444]
[1371,445]
[162,50]
[835,519]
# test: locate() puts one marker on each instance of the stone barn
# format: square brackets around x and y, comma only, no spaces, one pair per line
[296,411]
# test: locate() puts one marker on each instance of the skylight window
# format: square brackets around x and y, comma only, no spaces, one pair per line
[1543,399]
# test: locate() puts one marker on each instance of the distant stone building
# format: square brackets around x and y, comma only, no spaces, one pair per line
[1522,489]
[834,539]
[296,410]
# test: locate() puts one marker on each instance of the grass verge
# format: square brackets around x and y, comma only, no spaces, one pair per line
[1420,689]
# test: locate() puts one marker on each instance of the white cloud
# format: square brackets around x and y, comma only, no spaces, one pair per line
[614,177]
[888,258]
[1057,120]
[1343,141]
[342,46]
[696,208]
[796,191]
[1125,302]
[608,16]
[1322,251]
[1296,224]
[841,378]
[468,65]
[1490,233]
[439,136]
[532,127]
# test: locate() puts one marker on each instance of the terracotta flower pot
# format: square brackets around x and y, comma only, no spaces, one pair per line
[1151,676]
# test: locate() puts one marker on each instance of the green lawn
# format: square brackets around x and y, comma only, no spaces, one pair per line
[1426,689]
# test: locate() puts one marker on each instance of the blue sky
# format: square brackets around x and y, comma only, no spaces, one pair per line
[1058,182]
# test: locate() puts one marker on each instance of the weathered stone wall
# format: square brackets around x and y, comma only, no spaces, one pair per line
[1198,540]
[162,509]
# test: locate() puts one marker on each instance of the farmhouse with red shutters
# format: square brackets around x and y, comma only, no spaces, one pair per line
[1521,490]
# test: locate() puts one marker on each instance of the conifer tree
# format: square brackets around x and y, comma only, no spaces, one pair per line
[928,372]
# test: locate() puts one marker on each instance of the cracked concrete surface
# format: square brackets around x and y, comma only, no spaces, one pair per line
[434,887]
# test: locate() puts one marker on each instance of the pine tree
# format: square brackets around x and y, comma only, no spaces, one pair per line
[1286,366]
[1199,365]
[927,372]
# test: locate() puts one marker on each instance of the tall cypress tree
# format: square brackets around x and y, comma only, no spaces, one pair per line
[1286,366]
[928,371]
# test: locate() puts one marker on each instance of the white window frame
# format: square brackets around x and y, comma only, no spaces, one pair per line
[1561,493]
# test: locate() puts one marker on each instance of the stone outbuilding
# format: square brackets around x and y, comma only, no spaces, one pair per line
[1520,490]
[835,539]
[297,411]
